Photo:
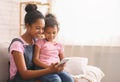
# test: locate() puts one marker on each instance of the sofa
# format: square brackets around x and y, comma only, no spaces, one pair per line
[78,67]
[4,58]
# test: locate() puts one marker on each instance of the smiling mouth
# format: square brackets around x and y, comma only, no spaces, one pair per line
[40,36]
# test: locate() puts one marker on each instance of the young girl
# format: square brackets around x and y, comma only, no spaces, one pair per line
[47,51]
[21,49]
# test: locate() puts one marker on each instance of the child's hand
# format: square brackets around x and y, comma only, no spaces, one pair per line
[56,67]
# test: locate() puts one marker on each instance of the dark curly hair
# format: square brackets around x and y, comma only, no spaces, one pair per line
[51,21]
[32,14]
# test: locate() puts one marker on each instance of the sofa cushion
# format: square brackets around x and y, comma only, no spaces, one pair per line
[4,58]
[76,65]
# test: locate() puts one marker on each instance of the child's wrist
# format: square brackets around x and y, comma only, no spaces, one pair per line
[49,70]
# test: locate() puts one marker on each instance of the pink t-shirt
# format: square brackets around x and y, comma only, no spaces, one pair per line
[16,46]
[49,51]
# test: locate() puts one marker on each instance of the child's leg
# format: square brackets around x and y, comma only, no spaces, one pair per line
[50,78]
[65,77]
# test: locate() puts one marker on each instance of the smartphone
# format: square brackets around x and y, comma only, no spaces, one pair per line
[63,61]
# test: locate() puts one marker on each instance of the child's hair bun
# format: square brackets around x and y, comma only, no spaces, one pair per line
[30,8]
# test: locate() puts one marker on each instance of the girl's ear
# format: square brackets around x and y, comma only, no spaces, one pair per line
[58,29]
[27,26]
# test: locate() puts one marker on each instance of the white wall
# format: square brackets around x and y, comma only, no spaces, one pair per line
[89,22]
[9,19]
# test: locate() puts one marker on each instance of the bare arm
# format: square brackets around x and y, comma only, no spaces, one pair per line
[61,52]
[29,74]
[36,59]
[61,56]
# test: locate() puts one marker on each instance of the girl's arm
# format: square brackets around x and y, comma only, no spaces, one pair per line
[29,74]
[61,52]
[61,56]
[36,59]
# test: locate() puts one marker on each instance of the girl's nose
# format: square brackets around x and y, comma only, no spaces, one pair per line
[52,35]
[41,31]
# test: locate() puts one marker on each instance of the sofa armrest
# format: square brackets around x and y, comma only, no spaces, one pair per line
[94,74]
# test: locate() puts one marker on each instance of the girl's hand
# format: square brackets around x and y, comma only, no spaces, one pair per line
[56,67]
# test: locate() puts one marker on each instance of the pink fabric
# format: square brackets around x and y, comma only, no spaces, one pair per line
[49,51]
[16,46]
